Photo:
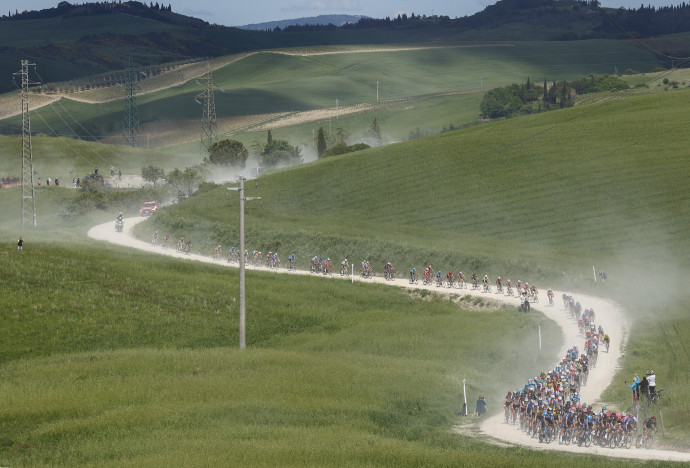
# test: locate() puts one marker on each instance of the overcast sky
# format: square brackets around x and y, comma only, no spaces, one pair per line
[240,12]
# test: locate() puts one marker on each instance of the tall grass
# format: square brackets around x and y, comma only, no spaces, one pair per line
[109,357]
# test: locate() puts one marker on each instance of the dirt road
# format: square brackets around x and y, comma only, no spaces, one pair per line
[608,314]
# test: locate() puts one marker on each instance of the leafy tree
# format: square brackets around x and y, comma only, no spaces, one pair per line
[374,131]
[499,102]
[185,181]
[228,153]
[152,174]
[321,145]
[280,152]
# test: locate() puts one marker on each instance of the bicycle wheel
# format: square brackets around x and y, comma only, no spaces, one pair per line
[639,441]
[627,441]
[648,441]
[588,440]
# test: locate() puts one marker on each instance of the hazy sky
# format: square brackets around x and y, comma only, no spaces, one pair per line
[240,12]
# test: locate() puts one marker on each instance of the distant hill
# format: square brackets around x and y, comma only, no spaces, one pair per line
[70,42]
[336,20]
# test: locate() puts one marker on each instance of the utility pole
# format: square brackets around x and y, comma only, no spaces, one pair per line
[377,91]
[208,120]
[27,156]
[243,307]
[336,108]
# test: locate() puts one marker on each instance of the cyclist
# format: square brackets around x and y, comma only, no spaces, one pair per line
[189,247]
[549,293]
[509,287]
[343,267]
[607,341]
[291,262]
[474,281]
[154,238]
[217,255]
[499,285]
[428,271]
[649,424]
[460,279]
[587,423]
[166,239]
[388,269]
[119,217]
[439,278]
[413,275]
[449,279]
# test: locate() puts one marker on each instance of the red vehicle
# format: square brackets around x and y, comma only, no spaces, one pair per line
[149,208]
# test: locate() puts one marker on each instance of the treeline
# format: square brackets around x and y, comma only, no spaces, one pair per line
[528,98]
[154,11]
[645,21]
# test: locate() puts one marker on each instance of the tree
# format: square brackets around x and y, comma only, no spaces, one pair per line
[342,135]
[321,145]
[375,131]
[269,139]
[499,102]
[280,152]
[152,174]
[228,153]
[184,181]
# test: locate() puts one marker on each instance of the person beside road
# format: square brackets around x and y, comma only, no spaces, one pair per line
[20,243]
[635,387]
[481,406]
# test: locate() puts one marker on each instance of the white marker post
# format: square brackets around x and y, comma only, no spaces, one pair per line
[595,273]
[464,397]
[539,337]
[352,276]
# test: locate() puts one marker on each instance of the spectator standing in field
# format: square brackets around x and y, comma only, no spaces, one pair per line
[95,171]
[20,243]
[57,181]
[481,406]
[651,378]
[119,174]
[635,387]
[48,181]
[39,181]
[112,171]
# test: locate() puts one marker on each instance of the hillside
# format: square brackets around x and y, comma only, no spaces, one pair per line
[92,38]
[262,86]
[488,192]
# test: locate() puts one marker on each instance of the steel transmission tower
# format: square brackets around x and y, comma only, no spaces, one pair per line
[28,208]
[208,119]
[130,121]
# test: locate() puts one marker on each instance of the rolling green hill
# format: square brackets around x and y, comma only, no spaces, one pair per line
[512,191]
[270,83]
[139,350]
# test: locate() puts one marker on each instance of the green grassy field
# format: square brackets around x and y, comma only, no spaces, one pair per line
[112,357]
[121,339]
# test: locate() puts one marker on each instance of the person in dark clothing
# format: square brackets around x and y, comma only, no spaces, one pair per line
[481,406]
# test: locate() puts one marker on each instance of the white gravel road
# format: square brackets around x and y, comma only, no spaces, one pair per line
[608,314]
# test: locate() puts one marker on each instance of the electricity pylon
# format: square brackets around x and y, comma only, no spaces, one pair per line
[208,119]
[130,121]
[28,209]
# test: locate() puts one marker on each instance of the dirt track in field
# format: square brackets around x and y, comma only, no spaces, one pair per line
[608,314]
